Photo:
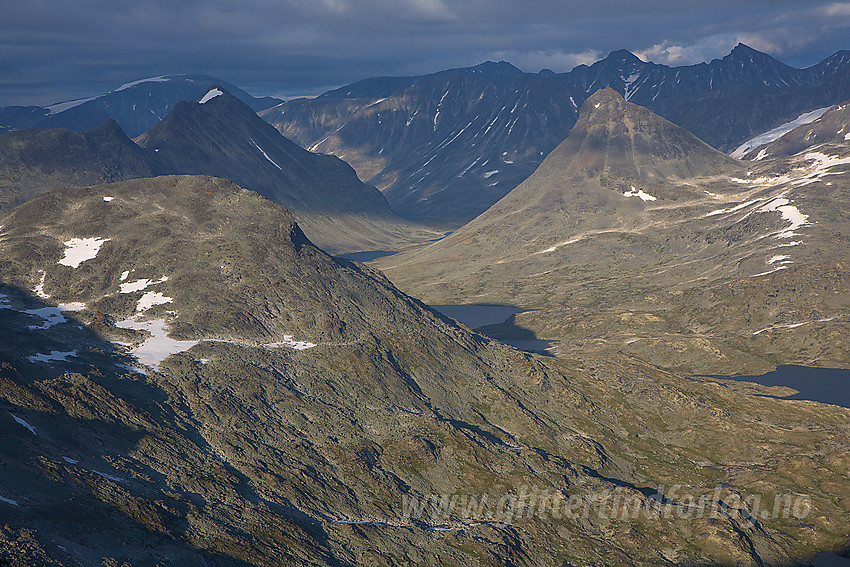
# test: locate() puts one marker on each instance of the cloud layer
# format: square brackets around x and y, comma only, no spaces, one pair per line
[60,49]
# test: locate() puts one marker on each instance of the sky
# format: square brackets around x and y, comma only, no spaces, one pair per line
[57,50]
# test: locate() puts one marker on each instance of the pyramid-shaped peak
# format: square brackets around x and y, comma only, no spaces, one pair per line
[601,98]
[623,55]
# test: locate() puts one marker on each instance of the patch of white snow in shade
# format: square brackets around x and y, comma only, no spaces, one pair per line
[124,275]
[54,356]
[124,366]
[151,298]
[265,155]
[109,476]
[211,94]
[847,136]
[489,174]
[108,199]
[39,289]
[63,106]
[158,346]
[288,341]
[53,315]
[639,193]
[776,133]
[9,501]
[778,258]
[78,250]
[160,79]
[24,423]
[71,461]
[138,285]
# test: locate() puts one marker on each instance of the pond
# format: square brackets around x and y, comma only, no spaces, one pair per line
[477,316]
[827,385]
[366,256]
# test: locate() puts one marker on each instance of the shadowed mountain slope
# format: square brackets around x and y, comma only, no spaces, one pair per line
[446,146]
[35,161]
[294,405]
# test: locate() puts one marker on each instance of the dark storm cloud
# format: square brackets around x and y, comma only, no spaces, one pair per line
[52,49]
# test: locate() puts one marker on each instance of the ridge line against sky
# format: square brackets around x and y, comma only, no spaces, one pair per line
[57,50]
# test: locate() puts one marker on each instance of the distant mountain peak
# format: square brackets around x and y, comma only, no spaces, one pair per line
[617,138]
[623,55]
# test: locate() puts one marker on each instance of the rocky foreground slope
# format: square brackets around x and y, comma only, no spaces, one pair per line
[634,236]
[186,379]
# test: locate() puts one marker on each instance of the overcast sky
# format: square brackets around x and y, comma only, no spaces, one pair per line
[54,50]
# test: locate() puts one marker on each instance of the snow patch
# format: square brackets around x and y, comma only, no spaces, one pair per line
[9,501]
[265,155]
[78,250]
[211,94]
[24,423]
[124,275]
[151,298]
[778,258]
[158,346]
[52,316]
[289,341]
[108,199]
[54,356]
[776,133]
[160,79]
[639,193]
[489,174]
[39,289]
[71,461]
[138,285]
[63,106]
[789,213]
[109,477]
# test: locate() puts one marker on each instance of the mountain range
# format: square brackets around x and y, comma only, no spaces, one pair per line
[446,146]
[188,380]
[137,106]
[190,376]
[221,137]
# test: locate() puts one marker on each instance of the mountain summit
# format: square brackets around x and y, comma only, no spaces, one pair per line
[221,136]
[615,138]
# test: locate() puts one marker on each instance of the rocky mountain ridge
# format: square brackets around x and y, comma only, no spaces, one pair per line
[306,400]
[447,146]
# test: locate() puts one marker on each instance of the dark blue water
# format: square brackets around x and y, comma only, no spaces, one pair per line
[827,385]
[474,316]
[828,559]
[366,256]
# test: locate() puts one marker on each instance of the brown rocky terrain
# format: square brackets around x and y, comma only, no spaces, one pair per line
[635,237]
[318,400]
